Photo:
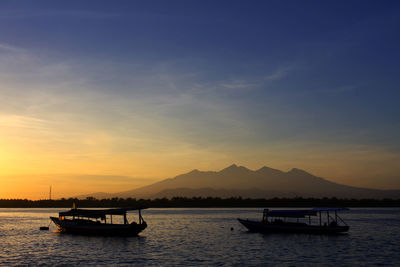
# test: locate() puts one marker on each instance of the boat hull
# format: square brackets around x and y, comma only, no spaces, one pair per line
[85,227]
[267,228]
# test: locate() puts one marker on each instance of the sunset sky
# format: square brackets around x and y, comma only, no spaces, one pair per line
[112,95]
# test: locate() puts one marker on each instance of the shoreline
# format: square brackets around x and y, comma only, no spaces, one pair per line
[199,202]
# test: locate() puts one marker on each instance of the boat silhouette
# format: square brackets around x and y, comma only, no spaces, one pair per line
[298,221]
[94,222]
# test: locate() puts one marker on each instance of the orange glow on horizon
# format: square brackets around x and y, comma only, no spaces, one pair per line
[35,154]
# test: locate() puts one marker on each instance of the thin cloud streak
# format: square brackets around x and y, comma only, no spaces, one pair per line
[39,13]
[10,48]
[278,74]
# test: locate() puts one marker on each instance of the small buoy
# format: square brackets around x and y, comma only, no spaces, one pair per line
[231,228]
[44,228]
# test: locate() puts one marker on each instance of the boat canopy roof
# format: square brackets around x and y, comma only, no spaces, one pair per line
[298,213]
[290,213]
[98,213]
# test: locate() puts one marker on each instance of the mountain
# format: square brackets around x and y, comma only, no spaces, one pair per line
[240,181]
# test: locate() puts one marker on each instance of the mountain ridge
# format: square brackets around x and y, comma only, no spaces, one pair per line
[237,180]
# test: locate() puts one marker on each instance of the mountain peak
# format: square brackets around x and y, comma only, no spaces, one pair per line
[234,168]
[265,168]
[298,171]
[231,167]
[268,171]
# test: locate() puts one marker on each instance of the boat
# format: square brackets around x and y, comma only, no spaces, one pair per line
[310,221]
[98,222]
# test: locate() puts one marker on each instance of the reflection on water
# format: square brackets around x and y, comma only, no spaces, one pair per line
[200,237]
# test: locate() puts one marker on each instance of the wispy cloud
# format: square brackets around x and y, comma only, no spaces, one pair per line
[22,122]
[10,48]
[239,84]
[334,90]
[22,14]
[254,81]
[277,74]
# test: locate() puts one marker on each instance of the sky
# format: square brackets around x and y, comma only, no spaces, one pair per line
[112,95]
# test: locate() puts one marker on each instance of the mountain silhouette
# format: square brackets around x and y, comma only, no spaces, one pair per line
[235,181]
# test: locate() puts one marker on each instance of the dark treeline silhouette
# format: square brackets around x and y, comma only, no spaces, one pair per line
[198,202]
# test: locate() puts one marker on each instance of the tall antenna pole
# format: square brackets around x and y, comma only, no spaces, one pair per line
[50,193]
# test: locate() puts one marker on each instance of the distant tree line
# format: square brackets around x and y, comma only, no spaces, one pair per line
[198,202]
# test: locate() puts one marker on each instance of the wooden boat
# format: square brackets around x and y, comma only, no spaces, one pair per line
[299,221]
[98,222]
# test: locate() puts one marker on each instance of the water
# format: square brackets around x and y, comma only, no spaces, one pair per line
[192,237]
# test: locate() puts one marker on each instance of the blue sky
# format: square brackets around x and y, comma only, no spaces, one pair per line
[307,84]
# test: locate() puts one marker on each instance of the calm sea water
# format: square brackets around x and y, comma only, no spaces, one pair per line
[192,237]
